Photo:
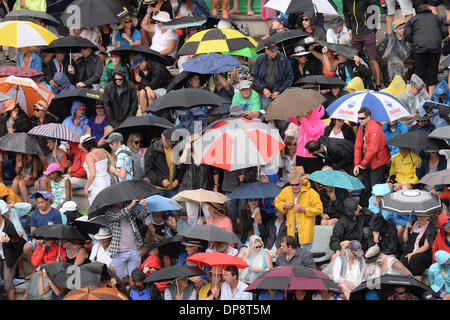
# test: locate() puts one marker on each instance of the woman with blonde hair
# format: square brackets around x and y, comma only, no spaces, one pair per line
[257,257]
[29,58]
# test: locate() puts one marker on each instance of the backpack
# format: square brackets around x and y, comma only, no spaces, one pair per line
[137,168]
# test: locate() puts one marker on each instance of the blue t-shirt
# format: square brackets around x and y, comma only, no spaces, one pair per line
[265,295]
[97,129]
[52,217]
[134,37]
[144,295]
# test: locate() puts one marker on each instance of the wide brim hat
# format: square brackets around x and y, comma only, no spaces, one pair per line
[217,207]
[162,16]
[134,21]
[84,139]
[335,22]
[103,233]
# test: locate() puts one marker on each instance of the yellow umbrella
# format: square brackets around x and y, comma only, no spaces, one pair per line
[20,34]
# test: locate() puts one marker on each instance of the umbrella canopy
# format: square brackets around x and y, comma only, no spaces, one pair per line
[435,178]
[23,143]
[337,179]
[185,22]
[346,51]
[56,131]
[417,140]
[383,106]
[386,284]
[419,202]
[294,102]
[150,54]
[174,272]
[238,144]
[59,231]
[91,274]
[95,13]
[57,272]
[211,259]
[209,232]
[90,226]
[62,103]
[287,39]
[213,22]
[149,127]
[158,203]
[186,98]
[294,6]
[440,133]
[322,81]
[25,91]
[29,15]
[216,40]
[121,192]
[4,97]
[95,293]
[294,278]
[200,196]
[256,190]
[23,72]
[19,34]
[172,246]
[180,80]
[211,63]
[73,44]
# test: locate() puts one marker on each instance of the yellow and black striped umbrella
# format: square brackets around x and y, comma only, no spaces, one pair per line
[217,40]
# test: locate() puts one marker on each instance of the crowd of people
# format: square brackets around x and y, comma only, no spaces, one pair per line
[366,240]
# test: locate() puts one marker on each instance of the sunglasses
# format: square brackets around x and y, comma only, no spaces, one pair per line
[137,142]
[118,79]
[362,118]
[99,107]
[400,293]
[305,19]
[128,21]
[258,247]
[292,144]
[295,185]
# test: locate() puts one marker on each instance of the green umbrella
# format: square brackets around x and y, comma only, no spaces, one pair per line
[244,52]
[335,178]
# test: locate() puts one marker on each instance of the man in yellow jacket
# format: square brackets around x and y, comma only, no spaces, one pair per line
[402,174]
[301,204]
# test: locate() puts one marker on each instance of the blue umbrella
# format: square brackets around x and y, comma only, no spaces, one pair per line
[255,190]
[335,178]
[211,63]
[383,106]
[157,203]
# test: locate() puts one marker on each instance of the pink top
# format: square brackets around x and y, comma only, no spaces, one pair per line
[311,128]
[224,223]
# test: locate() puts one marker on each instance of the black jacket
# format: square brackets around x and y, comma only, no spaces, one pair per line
[48,119]
[231,178]
[22,124]
[14,248]
[157,77]
[339,153]
[90,69]
[347,131]
[356,18]
[425,30]
[247,222]
[197,177]
[120,107]
[363,71]
[312,67]
[52,70]
[156,168]
[269,232]
[349,226]
[334,209]
[387,239]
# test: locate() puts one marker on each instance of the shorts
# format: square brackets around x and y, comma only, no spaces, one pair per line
[406,7]
[435,3]
[427,67]
[8,274]
[368,41]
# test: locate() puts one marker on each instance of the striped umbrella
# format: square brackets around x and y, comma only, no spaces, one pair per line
[25,91]
[235,144]
[20,34]
[56,131]
[217,40]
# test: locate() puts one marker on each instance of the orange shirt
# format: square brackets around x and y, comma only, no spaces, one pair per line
[41,257]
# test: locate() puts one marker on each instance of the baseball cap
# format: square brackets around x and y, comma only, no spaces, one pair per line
[244,84]
[355,247]
[167,134]
[68,206]
[137,59]
[272,47]
[53,167]
[236,110]
[114,136]
[397,23]
[46,194]
[336,21]
[282,20]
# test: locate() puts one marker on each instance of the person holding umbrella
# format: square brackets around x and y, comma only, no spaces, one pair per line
[211,290]
[41,116]
[60,61]
[438,274]
[90,68]
[402,174]
[110,65]
[14,119]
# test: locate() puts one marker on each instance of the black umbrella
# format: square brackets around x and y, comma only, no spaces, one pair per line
[140,49]
[386,284]
[186,98]
[209,232]
[71,43]
[59,231]
[29,15]
[149,126]
[417,140]
[91,274]
[58,273]
[414,201]
[172,246]
[212,22]
[344,50]
[286,39]
[174,272]
[221,110]
[180,80]
[121,192]
[440,133]
[23,143]
[322,81]
[95,13]
[90,226]
[62,103]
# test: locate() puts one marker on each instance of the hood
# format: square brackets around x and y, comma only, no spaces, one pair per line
[63,81]
[110,65]
[396,87]
[350,207]
[381,189]
[356,84]
[441,88]
[311,16]
[442,219]
[416,80]
[442,256]
[120,70]
[152,262]
[306,185]
[75,105]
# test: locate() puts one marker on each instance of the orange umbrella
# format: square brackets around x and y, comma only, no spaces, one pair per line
[95,293]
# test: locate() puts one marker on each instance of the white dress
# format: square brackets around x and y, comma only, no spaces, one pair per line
[102,178]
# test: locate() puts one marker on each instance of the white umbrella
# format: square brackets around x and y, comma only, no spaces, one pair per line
[20,34]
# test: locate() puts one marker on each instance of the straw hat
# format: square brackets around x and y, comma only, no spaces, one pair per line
[134,21]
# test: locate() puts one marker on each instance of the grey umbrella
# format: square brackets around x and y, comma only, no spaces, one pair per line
[91,274]
[438,177]
[419,202]
[23,143]
[441,132]
[209,232]
[29,15]
[57,272]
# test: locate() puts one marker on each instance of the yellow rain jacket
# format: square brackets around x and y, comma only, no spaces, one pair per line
[405,168]
[8,195]
[309,199]
[356,84]
[396,87]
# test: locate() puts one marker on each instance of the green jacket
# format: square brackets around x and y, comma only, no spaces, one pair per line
[107,74]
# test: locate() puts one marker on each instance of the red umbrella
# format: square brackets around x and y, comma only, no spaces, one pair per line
[23,72]
[211,259]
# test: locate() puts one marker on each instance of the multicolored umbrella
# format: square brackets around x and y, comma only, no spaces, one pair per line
[337,179]
[244,52]
[25,91]
[56,131]
[294,278]
[383,106]
[211,259]
[20,34]
[235,144]
[23,72]
[211,63]
[21,142]
[95,293]
[216,40]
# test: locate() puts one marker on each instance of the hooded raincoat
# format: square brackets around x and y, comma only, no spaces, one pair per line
[438,281]
[81,129]
[441,242]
